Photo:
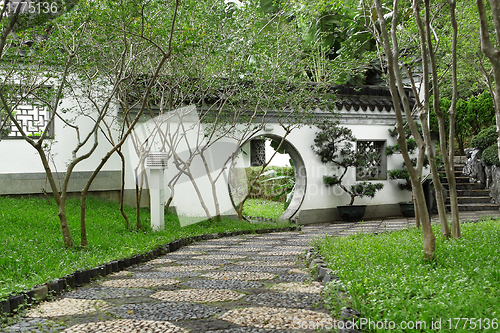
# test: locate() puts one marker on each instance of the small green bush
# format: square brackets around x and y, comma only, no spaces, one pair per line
[485,138]
[490,156]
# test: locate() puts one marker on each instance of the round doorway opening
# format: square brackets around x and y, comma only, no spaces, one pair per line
[279,189]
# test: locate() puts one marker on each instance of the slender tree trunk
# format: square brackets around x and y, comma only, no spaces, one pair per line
[448,165]
[440,200]
[426,46]
[417,213]
[138,195]
[60,200]
[212,183]
[396,86]
[198,192]
[122,191]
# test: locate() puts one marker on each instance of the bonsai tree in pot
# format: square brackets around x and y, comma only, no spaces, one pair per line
[335,144]
[402,174]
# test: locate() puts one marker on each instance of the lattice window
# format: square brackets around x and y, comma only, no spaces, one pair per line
[32,118]
[375,159]
[257,152]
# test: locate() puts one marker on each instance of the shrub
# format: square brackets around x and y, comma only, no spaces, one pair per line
[485,138]
[335,144]
[490,156]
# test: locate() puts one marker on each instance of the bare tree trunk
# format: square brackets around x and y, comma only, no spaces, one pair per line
[212,183]
[60,199]
[450,168]
[397,89]
[418,224]
[492,52]
[426,46]
[122,189]
[138,195]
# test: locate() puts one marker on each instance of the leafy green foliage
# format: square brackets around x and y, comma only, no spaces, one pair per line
[485,138]
[366,189]
[33,253]
[490,155]
[388,280]
[472,116]
[334,144]
[331,180]
[401,174]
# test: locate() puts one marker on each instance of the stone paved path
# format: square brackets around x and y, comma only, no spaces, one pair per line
[249,283]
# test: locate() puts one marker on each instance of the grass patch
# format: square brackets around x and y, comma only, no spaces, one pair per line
[263,208]
[387,278]
[33,251]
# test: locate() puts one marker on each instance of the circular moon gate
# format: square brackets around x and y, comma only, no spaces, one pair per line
[300,175]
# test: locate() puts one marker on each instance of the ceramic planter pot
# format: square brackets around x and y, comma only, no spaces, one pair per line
[352,213]
[407,209]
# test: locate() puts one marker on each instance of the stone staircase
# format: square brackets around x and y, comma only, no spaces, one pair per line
[471,196]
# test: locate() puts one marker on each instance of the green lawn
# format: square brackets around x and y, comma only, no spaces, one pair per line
[388,280]
[32,250]
[263,208]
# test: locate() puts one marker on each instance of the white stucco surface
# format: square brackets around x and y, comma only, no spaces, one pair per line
[17,156]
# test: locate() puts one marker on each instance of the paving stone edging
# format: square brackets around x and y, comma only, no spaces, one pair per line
[38,293]
[321,273]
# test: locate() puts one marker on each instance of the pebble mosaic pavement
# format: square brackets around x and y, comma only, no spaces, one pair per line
[227,291]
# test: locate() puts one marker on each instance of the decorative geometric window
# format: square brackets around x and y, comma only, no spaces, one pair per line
[376,166]
[32,118]
[257,152]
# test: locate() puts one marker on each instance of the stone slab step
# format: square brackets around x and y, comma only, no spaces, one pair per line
[457,168]
[466,186]
[476,207]
[462,179]
[472,200]
[474,193]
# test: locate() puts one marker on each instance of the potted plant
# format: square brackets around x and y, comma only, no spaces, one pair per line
[407,208]
[335,144]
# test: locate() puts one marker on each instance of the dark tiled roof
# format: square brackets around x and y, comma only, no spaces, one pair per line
[364,97]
